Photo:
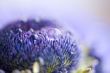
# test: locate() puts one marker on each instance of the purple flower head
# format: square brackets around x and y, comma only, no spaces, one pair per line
[23,43]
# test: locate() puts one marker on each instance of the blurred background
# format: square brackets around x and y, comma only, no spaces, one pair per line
[88,19]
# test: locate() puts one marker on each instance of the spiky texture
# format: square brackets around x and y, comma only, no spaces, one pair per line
[23,43]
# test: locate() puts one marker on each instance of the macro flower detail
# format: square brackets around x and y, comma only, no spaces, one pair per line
[23,43]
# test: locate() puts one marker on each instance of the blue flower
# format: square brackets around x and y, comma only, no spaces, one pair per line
[23,43]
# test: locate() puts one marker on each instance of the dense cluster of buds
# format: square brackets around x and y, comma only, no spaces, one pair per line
[24,42]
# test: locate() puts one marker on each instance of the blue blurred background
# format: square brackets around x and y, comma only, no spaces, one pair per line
[88,19]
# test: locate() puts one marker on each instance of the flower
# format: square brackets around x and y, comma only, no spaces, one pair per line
[23,43]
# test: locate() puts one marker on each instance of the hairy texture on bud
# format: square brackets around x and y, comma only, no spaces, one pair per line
[23,43]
